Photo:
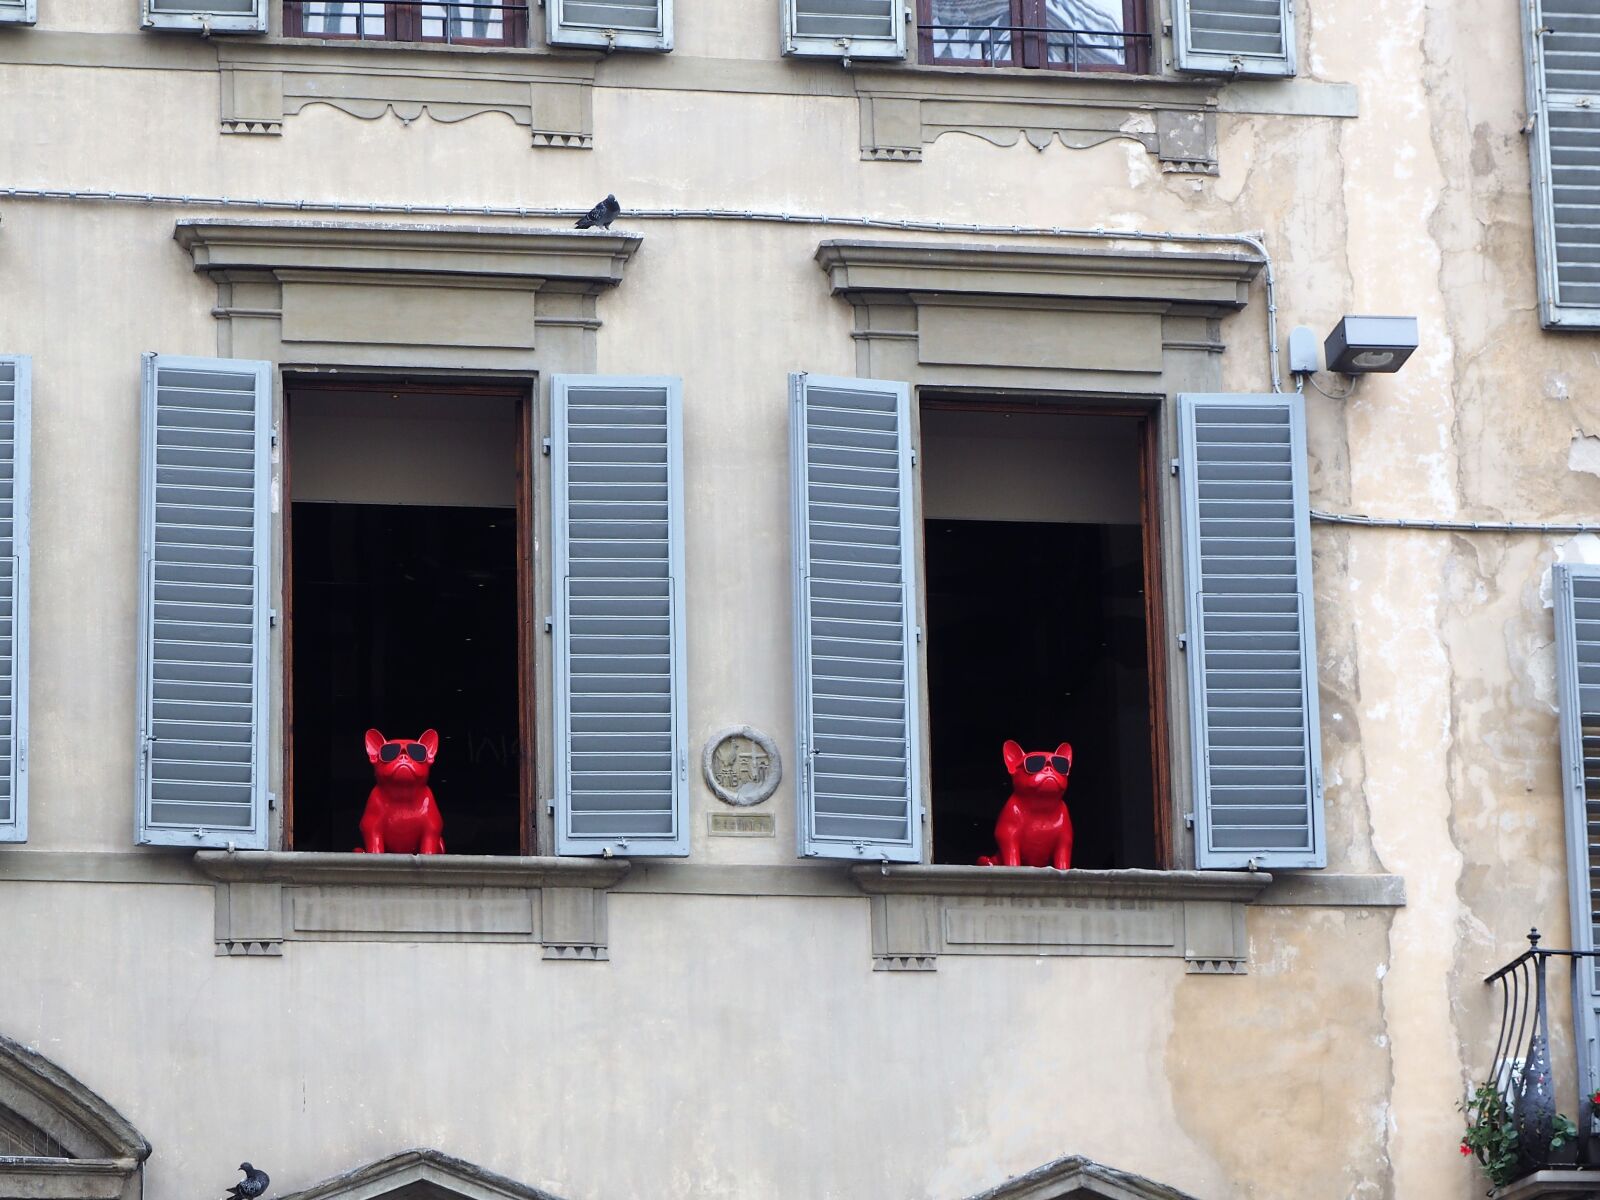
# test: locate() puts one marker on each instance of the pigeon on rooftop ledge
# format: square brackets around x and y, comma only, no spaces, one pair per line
[601,215]
[252,1185]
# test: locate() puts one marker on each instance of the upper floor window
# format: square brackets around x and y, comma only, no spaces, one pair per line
[1061,35]
[469,22]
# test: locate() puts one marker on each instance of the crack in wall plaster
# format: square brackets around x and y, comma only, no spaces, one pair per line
[1584,453]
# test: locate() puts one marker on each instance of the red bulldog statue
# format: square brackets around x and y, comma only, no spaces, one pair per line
[1034,829]
[401,816]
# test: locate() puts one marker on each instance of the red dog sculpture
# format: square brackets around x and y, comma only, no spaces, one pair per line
[1034,829]
[401,816]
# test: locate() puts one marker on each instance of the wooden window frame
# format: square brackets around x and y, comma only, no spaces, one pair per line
[526,398]
[402,22]
[1155,619]
[1027,30]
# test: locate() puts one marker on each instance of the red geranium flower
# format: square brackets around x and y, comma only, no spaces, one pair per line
[1465,1149]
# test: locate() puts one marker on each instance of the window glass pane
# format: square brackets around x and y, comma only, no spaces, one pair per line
[1085,33]
[483,20]
[976,31]
[342,18]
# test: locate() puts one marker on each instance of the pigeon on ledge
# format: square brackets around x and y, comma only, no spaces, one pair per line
[601,215]
[252,1185]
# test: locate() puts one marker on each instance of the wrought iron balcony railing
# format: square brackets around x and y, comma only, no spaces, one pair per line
[1534,1092]
[1050,47]
[454,22]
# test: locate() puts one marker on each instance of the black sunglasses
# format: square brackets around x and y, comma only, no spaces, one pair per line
[1035,762]
[391,751]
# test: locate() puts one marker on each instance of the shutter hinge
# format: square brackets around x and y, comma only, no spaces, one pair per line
[1174,466]
[546,445]
[550,806]
[919,634]
[1183,641]
[1188,820]
[549,624]
[274,434]
[272,618]
[913,456]
[272,800]
[924,809]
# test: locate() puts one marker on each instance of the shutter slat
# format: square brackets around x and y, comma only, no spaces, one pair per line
[1577,627]
[1235,37]
[1561,41]
[1252,660]
[844,28]
[16,408]
[618,628]
[612,24]
[204,603]
[855,589]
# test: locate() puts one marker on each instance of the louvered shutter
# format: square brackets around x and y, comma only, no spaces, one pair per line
[611,24]
[1234,37]
[18,12]
[621,748]
[230,16]
[1577,595]
[1251,642]
[15,422]
[205,528]
[1562,45]
[844,28]
[856,702]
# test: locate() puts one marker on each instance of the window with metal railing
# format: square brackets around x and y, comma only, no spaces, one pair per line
[469,22]
[1059,35]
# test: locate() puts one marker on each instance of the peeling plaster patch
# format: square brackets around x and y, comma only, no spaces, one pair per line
[1584,453]
[1139,122]
[1584,548]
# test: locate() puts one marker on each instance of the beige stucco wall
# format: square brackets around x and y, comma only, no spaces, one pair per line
[742,1046]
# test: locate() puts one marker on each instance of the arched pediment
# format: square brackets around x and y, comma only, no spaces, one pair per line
[1079,1178]
[420,1175]
[58,1138]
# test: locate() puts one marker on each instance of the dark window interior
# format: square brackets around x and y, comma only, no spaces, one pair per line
[405,620]
[1036,629]
[404,583]
[1058,35]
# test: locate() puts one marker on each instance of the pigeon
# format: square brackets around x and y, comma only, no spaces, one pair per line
[252,1185]
[601,214]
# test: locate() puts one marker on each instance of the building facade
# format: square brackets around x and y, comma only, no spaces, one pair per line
[934,389]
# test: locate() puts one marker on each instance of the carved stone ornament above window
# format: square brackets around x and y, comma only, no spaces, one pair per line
[59,1139]
[904,110]
[1079,1178]
[266,80]
[266,899]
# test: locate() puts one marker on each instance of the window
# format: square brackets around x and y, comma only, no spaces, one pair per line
[1044,608]
[1039,545]
[1061,35]
[468,22]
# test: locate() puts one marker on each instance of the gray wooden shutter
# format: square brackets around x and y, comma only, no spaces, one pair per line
[1561,40]
[231,16]
[18,12]
[1234,37]
[621,748]
[205,529]
[610,24]
[15,423]
[844,28]
[1251,641]
[855,611]
[1577,596]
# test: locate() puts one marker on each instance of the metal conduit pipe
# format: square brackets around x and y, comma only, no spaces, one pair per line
[1551,527]
[1255,241]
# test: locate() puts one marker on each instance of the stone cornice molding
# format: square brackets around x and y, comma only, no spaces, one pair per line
[1079,1178]
[420,1172]
[587,260]
[1196,281]
[410,870]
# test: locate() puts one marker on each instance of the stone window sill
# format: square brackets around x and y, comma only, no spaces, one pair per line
[266,899]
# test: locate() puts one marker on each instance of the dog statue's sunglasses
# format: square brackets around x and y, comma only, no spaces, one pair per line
[1035,763]
[416,751]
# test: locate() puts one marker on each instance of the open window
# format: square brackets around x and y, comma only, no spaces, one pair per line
[1057,35]
[1041,598]
[408,588]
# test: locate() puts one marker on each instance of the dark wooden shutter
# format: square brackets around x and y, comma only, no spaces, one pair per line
[1250,642]
[1234,37]
[621,748]
[859,719]
[205,525]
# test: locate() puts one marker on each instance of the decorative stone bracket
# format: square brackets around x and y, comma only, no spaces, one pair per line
[265,81]
[903,111]
[266,899]
[922,912]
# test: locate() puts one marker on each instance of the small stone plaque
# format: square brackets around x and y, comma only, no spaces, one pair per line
[741,766]
[737,824]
